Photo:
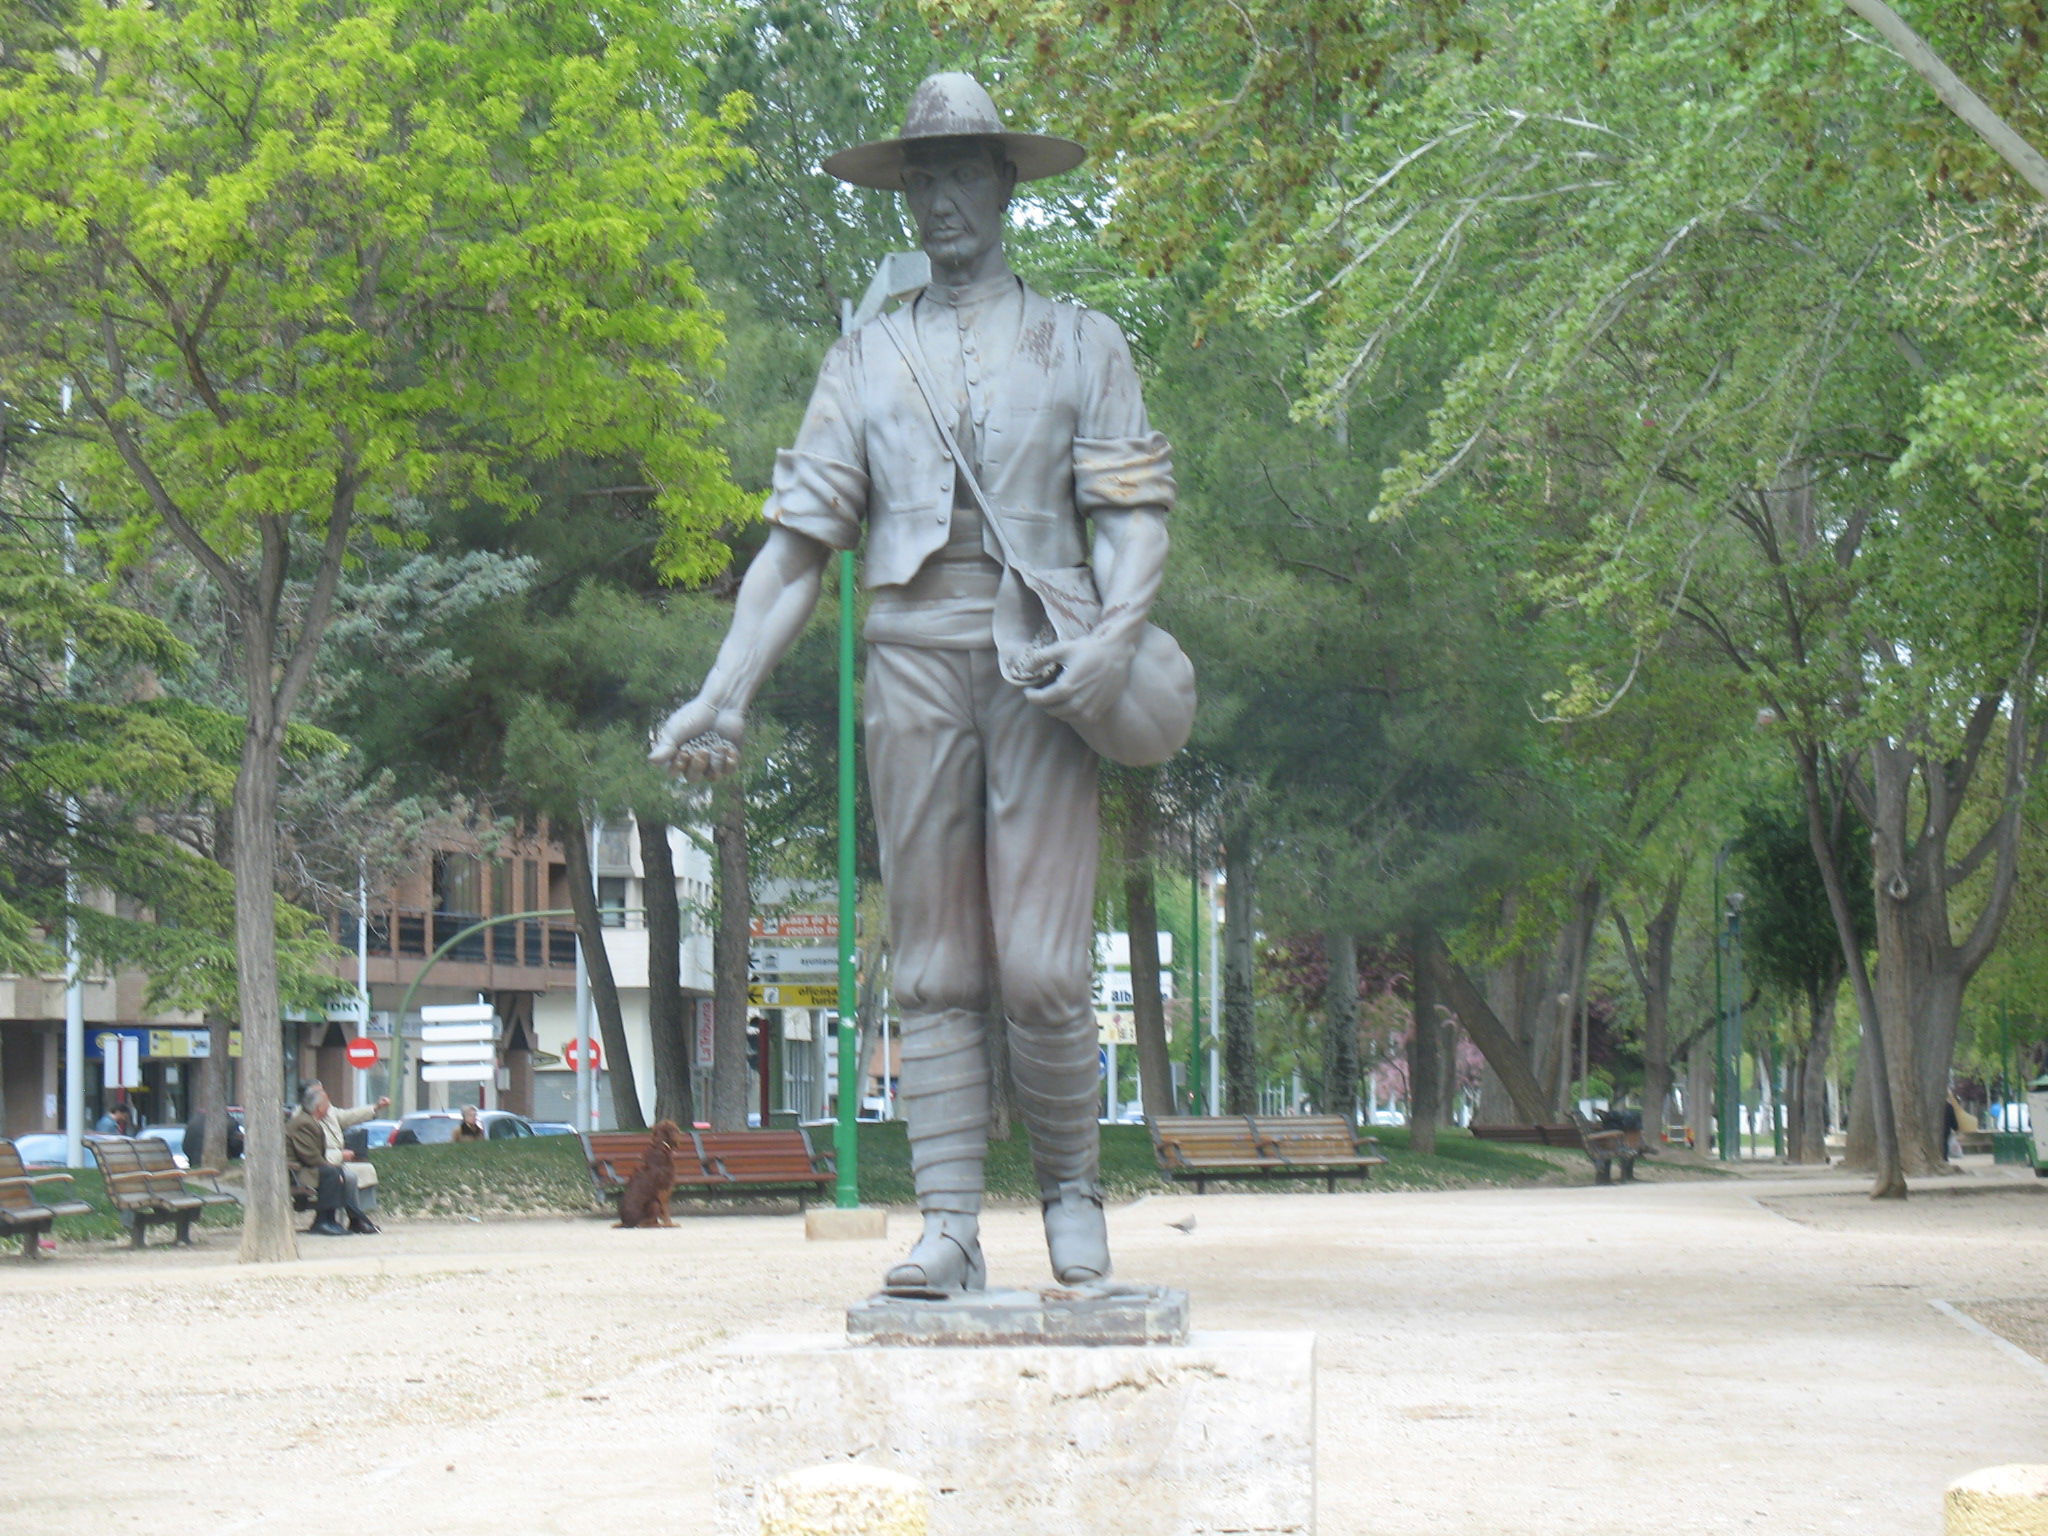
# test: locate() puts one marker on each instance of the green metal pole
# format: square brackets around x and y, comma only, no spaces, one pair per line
[1195,971]
[1731,1113]
[845,1139]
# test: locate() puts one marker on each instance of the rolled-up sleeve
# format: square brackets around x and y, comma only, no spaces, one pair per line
[1123,474]
[1120,463]
[820,486]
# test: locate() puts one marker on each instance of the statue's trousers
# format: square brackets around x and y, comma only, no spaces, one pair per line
[986,810]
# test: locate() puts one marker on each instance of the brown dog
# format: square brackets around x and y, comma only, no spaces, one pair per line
[644,1200]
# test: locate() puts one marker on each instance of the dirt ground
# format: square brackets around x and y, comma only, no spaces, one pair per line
[1683,1357]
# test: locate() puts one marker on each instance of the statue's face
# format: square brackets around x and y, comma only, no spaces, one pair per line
[957,191]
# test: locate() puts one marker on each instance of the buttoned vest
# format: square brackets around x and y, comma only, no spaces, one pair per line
[1027,449]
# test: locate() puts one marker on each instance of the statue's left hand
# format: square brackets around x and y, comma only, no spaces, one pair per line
[1093,672]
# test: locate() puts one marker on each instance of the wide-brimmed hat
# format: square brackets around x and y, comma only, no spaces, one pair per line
[952,106]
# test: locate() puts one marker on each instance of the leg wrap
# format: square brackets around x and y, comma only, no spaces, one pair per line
[1056,1075]
[945,1102]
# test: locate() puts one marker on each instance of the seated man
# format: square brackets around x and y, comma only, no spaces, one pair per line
[320,1162]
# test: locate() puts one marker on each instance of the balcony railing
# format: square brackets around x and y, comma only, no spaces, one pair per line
[408,933]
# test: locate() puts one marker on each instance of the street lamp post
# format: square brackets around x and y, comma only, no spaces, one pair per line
[1731,1036]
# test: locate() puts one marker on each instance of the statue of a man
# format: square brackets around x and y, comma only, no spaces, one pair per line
[979,401]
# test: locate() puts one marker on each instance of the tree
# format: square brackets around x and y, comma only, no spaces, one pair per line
[1789,941]
[298,265]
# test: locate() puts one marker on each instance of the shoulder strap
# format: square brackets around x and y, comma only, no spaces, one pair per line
[913,359]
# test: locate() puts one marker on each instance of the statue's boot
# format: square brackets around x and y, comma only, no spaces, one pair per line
[1076,1234]
[945,1261]
[1056,1075]
[945,1106]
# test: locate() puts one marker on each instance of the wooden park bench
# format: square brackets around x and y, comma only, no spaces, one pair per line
[766,1162]
[716,1163]
[203,1184]
[1603,1147]
[1327,1144]
[1198,1148]
[143,1197]
[26,1209]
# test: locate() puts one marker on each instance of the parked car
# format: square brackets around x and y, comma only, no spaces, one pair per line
[435,1125]
[42,1149]
[172,1136]
[552,1128]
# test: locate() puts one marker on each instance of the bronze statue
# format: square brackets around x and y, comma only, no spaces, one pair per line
[994,443]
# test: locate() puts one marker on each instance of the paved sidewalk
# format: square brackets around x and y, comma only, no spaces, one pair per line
[1680,1357]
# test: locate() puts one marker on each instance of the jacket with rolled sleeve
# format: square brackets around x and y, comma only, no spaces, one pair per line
[312,1140]
[1065,436]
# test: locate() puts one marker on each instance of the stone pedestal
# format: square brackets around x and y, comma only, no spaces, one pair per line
[1998,1501]
[1093,1315]
[1211,1436]
[828,1223]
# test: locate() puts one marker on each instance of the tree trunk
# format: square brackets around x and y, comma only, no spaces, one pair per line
[1503,1053]
[1699,1095]
[1340,1024]
[267,1235]
[1141,919]
[1240,1040]
[1425,1075]
[1809,1143]
[729,958]
[669,1034]
[604,989]
[1651,965]
[210,1096]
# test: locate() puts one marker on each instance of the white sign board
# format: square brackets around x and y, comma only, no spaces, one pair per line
[458,1072]
[457,1052]
[120,1060]
[458,1013]
[441,1034]
[1114,989]
[792,960]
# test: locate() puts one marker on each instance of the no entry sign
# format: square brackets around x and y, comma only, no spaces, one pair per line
[362,1052]
[572,1053]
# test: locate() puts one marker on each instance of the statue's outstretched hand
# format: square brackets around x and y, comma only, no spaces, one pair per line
[1093,673]
[701,741]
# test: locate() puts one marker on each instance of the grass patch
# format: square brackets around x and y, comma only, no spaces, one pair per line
[86,1184]
[485,1178]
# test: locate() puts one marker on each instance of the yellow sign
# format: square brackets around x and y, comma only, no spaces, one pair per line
[1115,1027]
[188,1044]
[794,994]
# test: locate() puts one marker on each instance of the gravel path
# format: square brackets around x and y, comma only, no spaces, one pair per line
[1685,1357]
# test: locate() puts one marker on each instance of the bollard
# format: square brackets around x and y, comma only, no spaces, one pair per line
[844,1499]
[1998,1501]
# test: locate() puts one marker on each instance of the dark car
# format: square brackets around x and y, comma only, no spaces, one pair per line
[365,1138]
[433,1125]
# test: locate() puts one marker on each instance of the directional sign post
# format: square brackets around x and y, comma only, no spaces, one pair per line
[794,994]
[458,1043]
[793,960]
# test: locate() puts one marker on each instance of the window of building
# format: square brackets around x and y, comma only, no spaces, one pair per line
[611,900]
[458,883]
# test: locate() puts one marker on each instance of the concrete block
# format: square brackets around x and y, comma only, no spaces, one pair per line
[844,1499]
[1998,1501]
[829,1222]
[1215,1435]
[1105,1313]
